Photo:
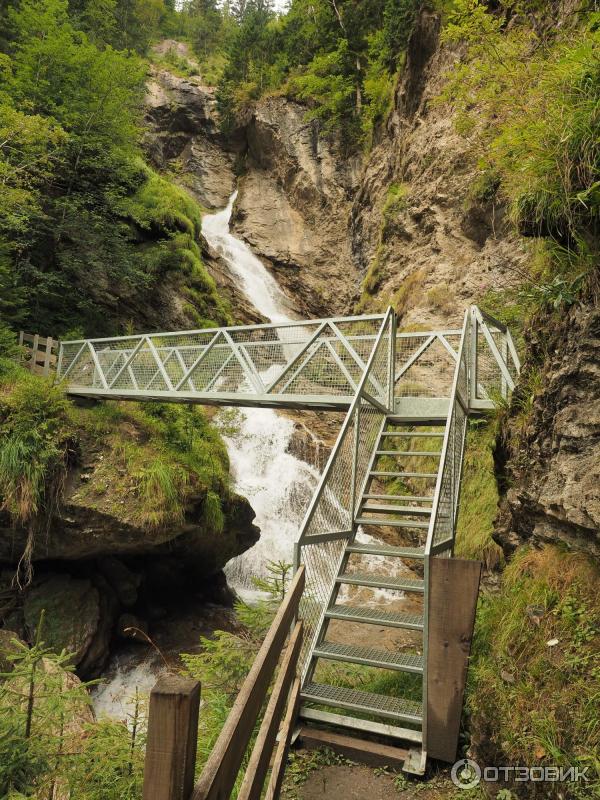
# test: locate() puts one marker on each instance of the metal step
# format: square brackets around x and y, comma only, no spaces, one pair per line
[370,657]
[374,616]
[411,453]
[386,550]
[380,474]
[415,498]
[391,523]
[417,511]
[396,708]
[381,581]
[401,419]
[410,434]
[358,724]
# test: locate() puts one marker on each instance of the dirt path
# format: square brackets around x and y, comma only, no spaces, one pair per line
[317,775]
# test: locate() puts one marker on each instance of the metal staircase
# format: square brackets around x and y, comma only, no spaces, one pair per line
[387,501]
[365,666]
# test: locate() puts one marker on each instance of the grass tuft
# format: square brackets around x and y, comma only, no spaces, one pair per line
[479,497]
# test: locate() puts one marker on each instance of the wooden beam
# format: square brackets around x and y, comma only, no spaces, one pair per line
[257,768]
[285,736]
[453,590]
[364,751]
[221,769]
[172,739]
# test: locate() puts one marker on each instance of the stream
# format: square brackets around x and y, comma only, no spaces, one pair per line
[277,484]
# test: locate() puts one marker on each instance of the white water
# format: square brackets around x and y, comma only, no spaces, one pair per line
[259,286]
[277,484]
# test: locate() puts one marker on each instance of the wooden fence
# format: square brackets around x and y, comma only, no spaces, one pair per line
[173,723]
[39,352]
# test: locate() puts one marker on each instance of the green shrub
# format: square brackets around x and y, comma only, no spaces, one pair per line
[34,445]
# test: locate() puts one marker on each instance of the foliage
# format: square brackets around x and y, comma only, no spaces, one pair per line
[44,742]
[534,668]
[84,226]
[527,97]
[163,455]
[33,446]
[340,59]
[226,658]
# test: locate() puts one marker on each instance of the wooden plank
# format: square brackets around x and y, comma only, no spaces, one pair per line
[258,765]
[365,751]
[285,735]
[453,590]
[172,739]
[221,769]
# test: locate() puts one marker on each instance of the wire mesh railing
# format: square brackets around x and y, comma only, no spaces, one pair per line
[495,363]
[317,361]
[425,363]
[329,521]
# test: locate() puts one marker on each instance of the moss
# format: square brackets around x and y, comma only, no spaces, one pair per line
[395,203]
[160,203]
[148,462]
[479,497]
[159,455]
[409,293]
[534,681]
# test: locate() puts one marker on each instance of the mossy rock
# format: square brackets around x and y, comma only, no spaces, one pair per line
[72,612]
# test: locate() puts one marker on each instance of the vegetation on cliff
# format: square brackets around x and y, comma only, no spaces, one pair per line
[88,234]
[341,59]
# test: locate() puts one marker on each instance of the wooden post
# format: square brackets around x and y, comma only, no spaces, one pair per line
[453,590]
[47,356]
[172,739]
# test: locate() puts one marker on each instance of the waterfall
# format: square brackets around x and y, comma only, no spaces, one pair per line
[277,484]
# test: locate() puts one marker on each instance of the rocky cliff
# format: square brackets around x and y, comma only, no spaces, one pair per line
[550,454]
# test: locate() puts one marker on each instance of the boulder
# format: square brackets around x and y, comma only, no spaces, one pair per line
[72,614]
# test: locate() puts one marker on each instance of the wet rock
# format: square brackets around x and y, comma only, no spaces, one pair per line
[182,125]
[72,613]
[294,204]
[123,581]
[132,627]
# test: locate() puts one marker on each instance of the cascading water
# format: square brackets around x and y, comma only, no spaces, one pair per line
[277,484]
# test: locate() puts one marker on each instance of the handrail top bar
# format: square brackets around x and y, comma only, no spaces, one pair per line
[262,326]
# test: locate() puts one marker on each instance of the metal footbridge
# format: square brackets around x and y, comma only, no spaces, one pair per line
[387,502]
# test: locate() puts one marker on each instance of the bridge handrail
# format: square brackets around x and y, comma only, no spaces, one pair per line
[173,723]
[348,421]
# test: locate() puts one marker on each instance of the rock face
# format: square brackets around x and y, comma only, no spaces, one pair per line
[182,132]
[293,206]
[428,238]
[551,455]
